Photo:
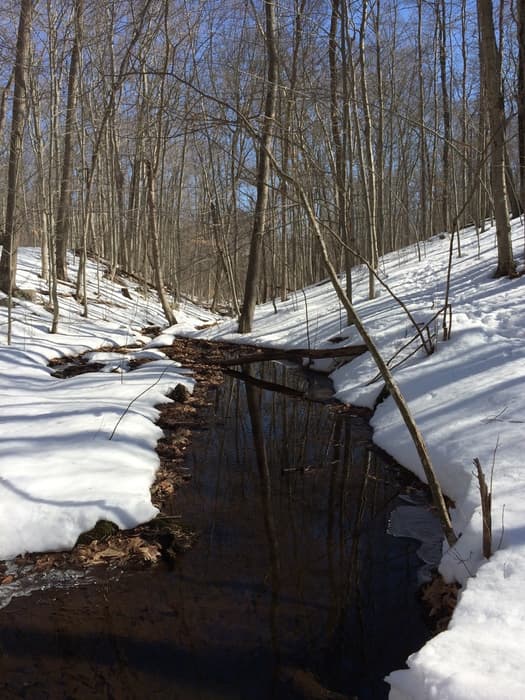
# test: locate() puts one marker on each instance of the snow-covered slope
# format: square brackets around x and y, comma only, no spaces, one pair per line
[59,472]
[68,454]
[469,400]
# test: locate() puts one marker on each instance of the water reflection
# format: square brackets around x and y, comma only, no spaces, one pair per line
[294,586]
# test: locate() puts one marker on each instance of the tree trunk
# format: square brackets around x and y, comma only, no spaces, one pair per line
[490,59]
[8,240]
[263,172]
[64,203]
[422,450]
[441,24]
[340,128]
[155,251]
[369,161]
[423,151]
[521,99]
[109,108]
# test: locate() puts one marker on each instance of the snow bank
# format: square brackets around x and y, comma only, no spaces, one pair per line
[60,472]
[74,451]
[468,398]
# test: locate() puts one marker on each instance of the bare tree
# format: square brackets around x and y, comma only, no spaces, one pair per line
[64,203]
[288,147]
[368,158]
[263,174]
[18,120]
[521,99]
[152,167]
[154,240]
[490,59]
[340,123]
[447,130]
[116,85]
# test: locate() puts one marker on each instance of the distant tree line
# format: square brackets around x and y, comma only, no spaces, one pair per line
[190,142]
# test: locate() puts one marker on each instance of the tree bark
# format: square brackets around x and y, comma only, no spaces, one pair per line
[441,24]
[8,239]
[340,128]
[263,173]
[521,100]
[369,161]
[64,203]
[395,392]
[155,251]
[490,59]
[266,354]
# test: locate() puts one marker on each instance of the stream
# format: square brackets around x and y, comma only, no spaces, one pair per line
[294,588]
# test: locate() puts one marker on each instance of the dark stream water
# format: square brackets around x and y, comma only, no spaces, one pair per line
[293,587]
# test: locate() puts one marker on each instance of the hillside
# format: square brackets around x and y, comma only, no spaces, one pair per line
[468,399]
[60,471]
[78,450]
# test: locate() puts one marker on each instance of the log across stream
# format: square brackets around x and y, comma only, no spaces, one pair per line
[294,588]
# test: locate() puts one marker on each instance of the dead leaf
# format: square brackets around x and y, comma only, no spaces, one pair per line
[441,599]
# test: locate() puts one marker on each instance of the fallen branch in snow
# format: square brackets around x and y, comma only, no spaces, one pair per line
[263,384]
[498,418]
[395,392]
[427,343]
[389,362]
[267,354]
[486,514]
[432,337]
[136,398]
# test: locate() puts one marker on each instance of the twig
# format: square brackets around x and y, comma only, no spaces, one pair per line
[493,463]
[502,527]
[130,404]
[307,319]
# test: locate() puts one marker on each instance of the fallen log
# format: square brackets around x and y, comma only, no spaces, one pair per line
[267,354]
[264,384]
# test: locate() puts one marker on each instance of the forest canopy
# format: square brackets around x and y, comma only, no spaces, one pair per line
[172,137]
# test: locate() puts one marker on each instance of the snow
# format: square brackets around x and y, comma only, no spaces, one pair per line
[77,450]
[468,399]
[74,451]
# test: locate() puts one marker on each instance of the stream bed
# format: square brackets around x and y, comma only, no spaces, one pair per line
[294,588]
